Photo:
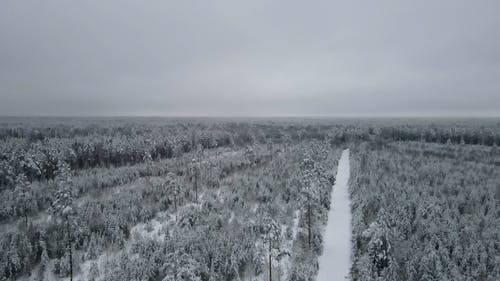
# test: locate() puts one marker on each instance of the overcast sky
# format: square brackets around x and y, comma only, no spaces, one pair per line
[250,58]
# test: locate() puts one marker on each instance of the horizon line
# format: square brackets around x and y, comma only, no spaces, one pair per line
[306,116]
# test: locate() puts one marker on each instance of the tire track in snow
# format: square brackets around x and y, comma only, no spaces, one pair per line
[335,262]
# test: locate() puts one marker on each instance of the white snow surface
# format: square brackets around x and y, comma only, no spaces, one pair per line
[335,262]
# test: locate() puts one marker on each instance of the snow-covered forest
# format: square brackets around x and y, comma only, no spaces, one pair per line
[246,199]
[426,211]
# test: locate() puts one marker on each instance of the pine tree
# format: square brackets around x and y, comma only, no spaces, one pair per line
[174,188]
[196,171]
[93,271]
[180,267]
[272,235]
[146,158]
[250,156]
[63,208]
[379,247]
[44,259]
[23,197]
[309,190]
[91,248]
[65,266]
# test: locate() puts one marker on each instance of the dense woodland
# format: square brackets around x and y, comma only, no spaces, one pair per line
[192,199]
[425,212]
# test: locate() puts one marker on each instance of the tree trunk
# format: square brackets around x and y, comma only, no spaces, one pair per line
[270,265]
[70,262]
[175,204]
[196,188]
[70,252]
[211,269]
[176,265]
[309,224]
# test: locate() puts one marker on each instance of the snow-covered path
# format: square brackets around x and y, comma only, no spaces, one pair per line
[335,262]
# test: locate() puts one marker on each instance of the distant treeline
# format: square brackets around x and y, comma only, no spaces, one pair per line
[35,148]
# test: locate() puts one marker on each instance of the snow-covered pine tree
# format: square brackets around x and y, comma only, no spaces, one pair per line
[378,247]
[91,248]
[23,196]
[309,190]
[272,235]
[148,160]
[195,169]
[93,271]
[179,265]
[250,156]
[63,209]
[174,188]
[44,259]
[65,265]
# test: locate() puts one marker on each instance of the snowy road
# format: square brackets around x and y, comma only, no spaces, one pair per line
[335,262]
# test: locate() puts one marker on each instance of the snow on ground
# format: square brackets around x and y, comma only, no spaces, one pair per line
[335,262]
[152,229]
[254,207]
[231,218]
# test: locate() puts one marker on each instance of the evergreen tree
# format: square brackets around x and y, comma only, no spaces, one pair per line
[23,196]
[65,265]
[271,235]
[195,169]
[174,189]
[309,190]
[63,210]
[44,259]
[93,271]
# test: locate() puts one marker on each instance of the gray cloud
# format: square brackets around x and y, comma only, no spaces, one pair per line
[249,57]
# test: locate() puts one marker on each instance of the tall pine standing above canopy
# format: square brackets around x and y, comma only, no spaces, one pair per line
[195,170]
[313,178]
[309,189]
[63,206]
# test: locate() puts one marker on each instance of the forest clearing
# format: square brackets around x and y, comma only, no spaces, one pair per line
[335,261]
